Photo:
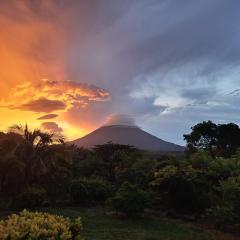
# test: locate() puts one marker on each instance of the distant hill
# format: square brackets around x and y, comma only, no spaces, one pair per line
[127,135]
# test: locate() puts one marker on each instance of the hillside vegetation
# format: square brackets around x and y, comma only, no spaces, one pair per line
[39,170]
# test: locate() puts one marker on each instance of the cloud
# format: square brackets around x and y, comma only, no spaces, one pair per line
[49,96]
[175,59]
[32,43]
[48,116]
[42,105]
[170,66]
[51,127]
[120,119]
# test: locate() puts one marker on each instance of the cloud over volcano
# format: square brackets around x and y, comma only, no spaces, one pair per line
[169,63]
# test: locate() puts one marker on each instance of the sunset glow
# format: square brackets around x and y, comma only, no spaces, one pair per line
[35,86]
[69,66]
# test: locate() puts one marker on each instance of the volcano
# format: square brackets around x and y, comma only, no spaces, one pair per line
[127,135]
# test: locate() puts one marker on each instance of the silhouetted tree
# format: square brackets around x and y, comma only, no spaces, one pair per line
[33,151]
[113,155]
[220,140]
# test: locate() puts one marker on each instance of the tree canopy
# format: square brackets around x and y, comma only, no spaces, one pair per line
[221,140]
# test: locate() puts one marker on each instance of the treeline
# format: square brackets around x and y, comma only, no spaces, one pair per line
[39,169]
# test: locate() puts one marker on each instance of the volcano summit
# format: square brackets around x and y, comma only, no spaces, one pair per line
[127,135]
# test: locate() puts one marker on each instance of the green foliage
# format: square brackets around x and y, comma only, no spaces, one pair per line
[115,156]
[89,167]
[199,183]
[220,140]
[201,160]
[38,226]
[207,179]
[185,190]
[90,190]
[130,200]
[140,172]
[227,206]
[31,198]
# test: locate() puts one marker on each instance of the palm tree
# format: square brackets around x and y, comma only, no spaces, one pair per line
[10,167]
[33,151]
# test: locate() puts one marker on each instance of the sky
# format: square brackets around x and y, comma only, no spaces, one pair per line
[163,65]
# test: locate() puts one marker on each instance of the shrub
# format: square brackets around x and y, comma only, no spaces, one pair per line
[89,167]
[36,226]
[130,200]
[31,198]
[85,190]
[4,203]
[140,173]
[227,208]
[183,189]
[99,190]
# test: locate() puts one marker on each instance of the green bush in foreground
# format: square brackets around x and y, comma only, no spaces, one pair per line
[90,190]
[39,226]
[130,200]
[227,209]
[31,198]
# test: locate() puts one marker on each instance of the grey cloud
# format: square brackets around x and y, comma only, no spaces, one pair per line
[48,116]
[236,92]
[43,105]
[182,55]
[120,119]
[199,95]
[51,127]
[155,56]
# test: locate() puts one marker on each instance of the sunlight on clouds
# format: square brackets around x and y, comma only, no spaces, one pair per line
[26,101]
[48,96]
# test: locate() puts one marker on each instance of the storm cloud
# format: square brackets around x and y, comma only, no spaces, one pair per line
[168,63]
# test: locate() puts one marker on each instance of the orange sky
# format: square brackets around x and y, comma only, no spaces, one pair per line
[33,78]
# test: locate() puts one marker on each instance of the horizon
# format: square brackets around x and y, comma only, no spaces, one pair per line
[71,67]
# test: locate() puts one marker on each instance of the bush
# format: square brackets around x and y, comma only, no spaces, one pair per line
[130,200]
[227,208]
[36,226]
[184,190]
[4,203]
[31,198]
[140,173]
[89,167]
[93,190]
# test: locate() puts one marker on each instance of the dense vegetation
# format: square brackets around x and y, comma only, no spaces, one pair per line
[39,169]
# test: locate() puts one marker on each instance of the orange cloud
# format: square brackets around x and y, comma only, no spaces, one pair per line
[31,46]
[48,96]
[34,45]
[51,127]
[43,105]
[48,116]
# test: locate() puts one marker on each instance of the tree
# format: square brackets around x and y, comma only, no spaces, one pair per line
[130,199]
[203,136]
[220,140]
[228,139]
[58,164]
[33,150]
[10,167]
[113,155]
